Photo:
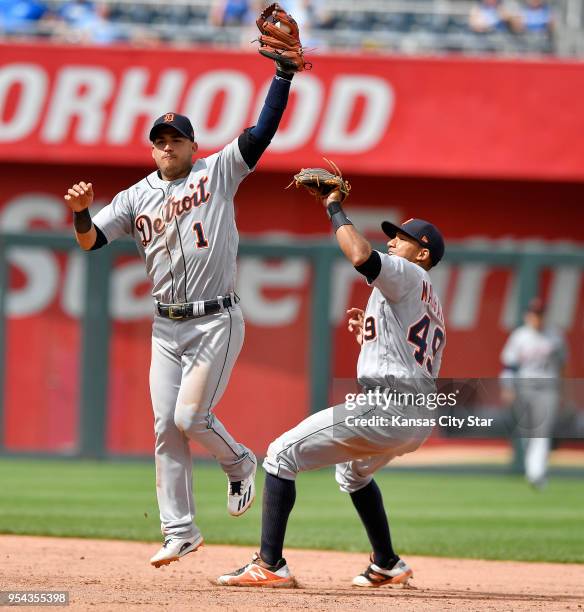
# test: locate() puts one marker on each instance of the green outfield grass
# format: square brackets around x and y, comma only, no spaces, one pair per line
[452,515]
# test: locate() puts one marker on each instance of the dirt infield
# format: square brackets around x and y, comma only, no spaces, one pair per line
[111,575]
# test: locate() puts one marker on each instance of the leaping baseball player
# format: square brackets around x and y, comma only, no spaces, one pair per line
[402,337]
[182,219]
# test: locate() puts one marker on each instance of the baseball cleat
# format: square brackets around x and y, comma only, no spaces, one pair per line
[175,548]
[240,494]
[259,574]
[375,576]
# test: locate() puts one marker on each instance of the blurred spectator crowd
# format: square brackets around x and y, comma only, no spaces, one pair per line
[407,26]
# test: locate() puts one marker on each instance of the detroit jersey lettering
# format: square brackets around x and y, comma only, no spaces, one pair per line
[403,332]
[185,229]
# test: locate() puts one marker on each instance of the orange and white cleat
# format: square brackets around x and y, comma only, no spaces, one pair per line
[259,574]
[375,576]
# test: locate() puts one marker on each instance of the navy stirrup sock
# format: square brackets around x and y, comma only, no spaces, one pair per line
[278,501]
[368,502]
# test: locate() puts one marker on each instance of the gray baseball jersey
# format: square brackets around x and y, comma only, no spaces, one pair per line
[185,229]
[535,354]
[403,333]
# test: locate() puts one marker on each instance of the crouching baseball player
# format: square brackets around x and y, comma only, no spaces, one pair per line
[182,219]
[402,337]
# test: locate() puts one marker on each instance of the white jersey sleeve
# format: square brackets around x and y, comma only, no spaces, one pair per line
[510,352]
[232,168]
[116,220]
[397,277]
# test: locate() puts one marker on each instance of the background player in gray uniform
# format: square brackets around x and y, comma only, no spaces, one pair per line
[182,219]
[533,359]
[402,338]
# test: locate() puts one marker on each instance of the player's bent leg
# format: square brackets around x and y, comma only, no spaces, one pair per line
[172,453]
[354,475]
[356,478]
[172,458]
[269,568]
[324,439]
[207,366]
[318,441]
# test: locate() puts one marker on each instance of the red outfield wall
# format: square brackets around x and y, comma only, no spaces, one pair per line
[421,129]
[440,117]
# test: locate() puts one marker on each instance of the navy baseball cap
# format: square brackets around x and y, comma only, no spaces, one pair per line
[180,123]
[537,306]
[423,232]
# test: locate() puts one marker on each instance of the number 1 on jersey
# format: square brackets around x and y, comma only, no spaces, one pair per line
[201,242]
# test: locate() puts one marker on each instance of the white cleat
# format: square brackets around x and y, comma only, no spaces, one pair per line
[240,494]
[375,576]
[175,548]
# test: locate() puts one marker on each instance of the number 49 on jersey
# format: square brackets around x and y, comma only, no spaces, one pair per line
[418,336]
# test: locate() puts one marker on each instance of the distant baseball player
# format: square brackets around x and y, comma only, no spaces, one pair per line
[402,337]
[533,359]
[182,219]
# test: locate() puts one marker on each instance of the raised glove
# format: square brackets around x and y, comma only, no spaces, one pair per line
[280,39]
[321,183]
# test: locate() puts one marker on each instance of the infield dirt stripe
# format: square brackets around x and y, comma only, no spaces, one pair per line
[113,575]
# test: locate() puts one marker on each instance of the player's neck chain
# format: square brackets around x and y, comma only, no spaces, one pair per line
[173,208]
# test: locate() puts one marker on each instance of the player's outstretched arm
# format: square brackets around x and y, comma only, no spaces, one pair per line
[255,140]
[331,190]
[355,247]
[280,41]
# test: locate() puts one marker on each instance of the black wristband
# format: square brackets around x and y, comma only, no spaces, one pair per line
[82,221]
[284,75]
[337,215]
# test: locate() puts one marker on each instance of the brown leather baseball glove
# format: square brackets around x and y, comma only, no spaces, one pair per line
[280,39]
[321,183]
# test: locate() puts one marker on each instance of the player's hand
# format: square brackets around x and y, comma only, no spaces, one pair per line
[333,196]
[80,196]
[355,323]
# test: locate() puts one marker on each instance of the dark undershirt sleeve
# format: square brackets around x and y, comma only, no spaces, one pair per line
[100,239]
[251,148]
[371,268]
[255,140]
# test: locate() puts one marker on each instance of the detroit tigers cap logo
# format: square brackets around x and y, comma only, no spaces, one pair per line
[169,117]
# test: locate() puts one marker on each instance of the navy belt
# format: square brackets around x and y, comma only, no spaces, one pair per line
[192,310]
